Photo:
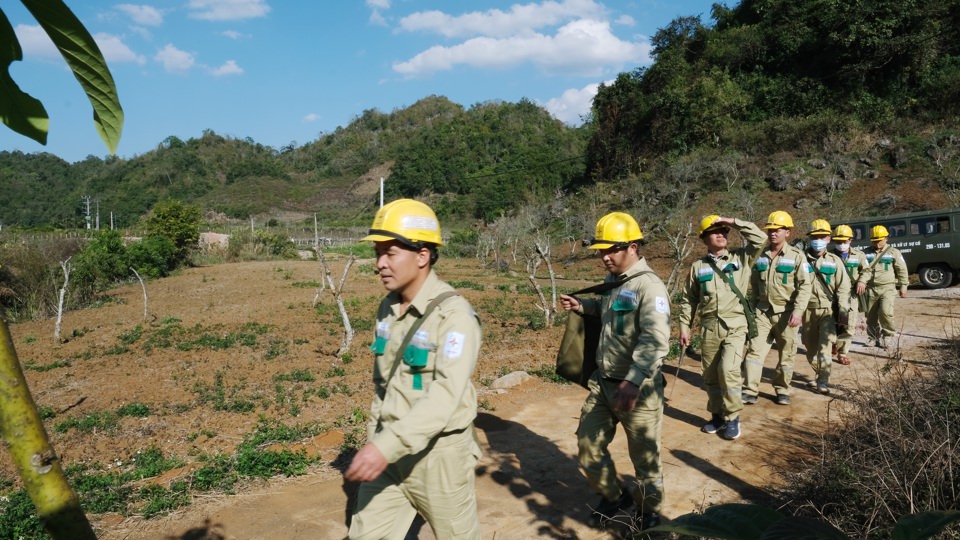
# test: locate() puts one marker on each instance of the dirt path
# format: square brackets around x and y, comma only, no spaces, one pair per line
[528,483]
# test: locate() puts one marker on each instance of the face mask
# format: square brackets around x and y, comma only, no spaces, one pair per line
[817,245]
[842,248]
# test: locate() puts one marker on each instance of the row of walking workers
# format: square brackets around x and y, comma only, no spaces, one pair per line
[422,449]
[758,295]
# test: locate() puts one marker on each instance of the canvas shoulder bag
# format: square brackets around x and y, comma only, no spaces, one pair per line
[577,356]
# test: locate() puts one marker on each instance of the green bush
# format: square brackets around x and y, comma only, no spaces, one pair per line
[179,223]
[153,257]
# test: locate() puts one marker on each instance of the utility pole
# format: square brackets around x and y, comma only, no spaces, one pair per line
[98,213]
[86,201]
[111,221]
[381,192]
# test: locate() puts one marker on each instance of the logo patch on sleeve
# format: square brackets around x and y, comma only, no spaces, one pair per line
[662,305]
[453,345]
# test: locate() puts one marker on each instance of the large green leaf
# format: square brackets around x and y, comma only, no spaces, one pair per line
[725,521]
[924,525]
[18,110]
[85,60]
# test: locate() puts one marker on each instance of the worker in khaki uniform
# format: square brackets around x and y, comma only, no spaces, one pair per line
[780,284]
[854,261]
[716,289]
[421,450]
[627,387]
[886,273]
[831,283]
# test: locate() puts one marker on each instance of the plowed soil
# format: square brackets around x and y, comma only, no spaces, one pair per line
[221,343]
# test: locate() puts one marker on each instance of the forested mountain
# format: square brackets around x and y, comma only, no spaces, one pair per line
[490,157]
[772,75]
[830,80]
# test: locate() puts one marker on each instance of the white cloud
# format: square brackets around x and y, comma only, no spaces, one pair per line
[233,34]
[312,117]
[229,67]
[585,47]
[35,42]
[521,19]
[625,20]
[227,10]
[141,14]
[377,19]
[115,50]
[174,60]
[573,104]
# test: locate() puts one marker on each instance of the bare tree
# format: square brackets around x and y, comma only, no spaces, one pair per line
[67,268]
[541,254]
[144,287]
[680,248]
[337,292]
[316,249]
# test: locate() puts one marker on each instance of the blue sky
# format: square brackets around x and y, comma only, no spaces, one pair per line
[281,72]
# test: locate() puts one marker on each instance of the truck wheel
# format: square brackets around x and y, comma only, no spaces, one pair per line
[936,277]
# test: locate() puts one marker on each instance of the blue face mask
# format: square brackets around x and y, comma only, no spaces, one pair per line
[818,244]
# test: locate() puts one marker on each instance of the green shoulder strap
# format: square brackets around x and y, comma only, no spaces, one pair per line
[826,286]
[416,326]
[752,331]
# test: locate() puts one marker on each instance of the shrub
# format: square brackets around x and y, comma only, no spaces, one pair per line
[893,452]
[179,223]
[153,257]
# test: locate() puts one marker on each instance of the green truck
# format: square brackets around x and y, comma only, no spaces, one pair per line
[929,242]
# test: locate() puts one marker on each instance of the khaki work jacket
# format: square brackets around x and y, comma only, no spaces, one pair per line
[708,293]
[635,319]
[854,261]
[831,281]
[431,392]
[891,269]
[781,284]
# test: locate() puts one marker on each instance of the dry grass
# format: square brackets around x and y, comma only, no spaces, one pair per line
[895,450]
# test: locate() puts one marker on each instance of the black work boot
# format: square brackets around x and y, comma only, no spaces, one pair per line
[715,424]
[607,509]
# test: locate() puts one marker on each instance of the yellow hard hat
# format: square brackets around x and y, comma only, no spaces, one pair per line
[819,226]
[779,220]
[706,224]
[408,221]
[614,229]
[878,232]
[843,232]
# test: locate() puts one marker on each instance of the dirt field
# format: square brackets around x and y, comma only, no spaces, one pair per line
[206,392]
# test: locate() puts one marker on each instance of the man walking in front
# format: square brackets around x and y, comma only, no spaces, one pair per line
[820,320]
[854,261]
[627,387]
[885,275]
[421,450]
[780,284]
[715,289]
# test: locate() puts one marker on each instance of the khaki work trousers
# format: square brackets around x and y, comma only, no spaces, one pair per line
[879,311]
[845,339]
[721,362]
[772,327]
[818,336]
[438,483]
[598,424]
